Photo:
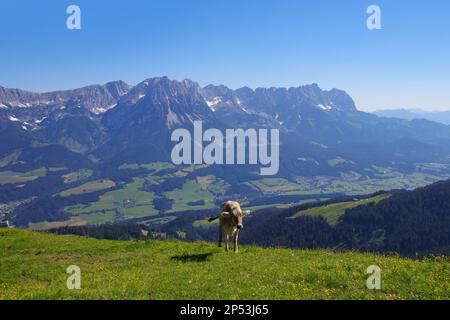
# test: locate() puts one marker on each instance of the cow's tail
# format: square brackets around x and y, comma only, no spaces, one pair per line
[211,219]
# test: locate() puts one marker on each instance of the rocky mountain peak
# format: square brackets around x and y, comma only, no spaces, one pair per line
[94,98]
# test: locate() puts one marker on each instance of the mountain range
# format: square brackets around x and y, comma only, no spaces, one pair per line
[411,114]
[103,128]
[119,123]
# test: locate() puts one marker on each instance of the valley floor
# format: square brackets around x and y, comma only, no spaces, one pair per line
[33,266]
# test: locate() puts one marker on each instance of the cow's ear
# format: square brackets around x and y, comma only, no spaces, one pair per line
[225,214]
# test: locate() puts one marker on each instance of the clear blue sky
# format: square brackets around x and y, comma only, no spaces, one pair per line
[236,43]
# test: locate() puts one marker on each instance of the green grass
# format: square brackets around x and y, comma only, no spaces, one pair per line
[434,167]
[334,211]
[98,218]
[281,205]
[191,192]
[10,158]
[57,169]
[160,220]
[88,187]
[352,183]
[140,205]
[158,166]
[45,225]
[33,266]
[77,175]
[7,177]
[274,185]
[104,209]
[338,161]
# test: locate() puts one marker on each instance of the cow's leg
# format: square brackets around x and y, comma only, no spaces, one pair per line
[227,241]
[235,241]
[220,235]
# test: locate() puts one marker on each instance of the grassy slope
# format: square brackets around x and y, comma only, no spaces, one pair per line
[334,211]
[33,265]
[88,187]
[7,177]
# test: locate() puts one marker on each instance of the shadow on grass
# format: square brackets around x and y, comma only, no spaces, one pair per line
[203,257]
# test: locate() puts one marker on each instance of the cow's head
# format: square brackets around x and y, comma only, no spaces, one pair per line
[236,215]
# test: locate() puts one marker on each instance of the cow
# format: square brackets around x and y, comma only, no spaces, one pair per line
[230,223]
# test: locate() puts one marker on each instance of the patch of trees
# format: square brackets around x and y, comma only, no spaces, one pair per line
[167,185]
[410,223]
[45,209]
[55,156]
[41,186]
[183,225]
[122,175]
[196,203]
[162,204]
[304,232]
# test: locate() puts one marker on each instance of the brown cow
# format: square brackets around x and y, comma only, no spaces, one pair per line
[230,218]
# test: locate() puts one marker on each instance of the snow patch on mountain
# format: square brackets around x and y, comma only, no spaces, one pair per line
[245,110]
[40,121]
[100,110]
[13,118]
[213,103]
[325,107]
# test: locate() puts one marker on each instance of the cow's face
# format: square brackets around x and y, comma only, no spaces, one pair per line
[238,217]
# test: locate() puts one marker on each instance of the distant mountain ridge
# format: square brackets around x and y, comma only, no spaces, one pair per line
[95,98]
[411,114]
[122,121]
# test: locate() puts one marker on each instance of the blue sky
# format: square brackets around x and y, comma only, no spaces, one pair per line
[236,43]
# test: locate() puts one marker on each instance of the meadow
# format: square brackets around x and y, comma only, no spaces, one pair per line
[33,266]
[77,176]
[130,202]
[88,187]
[7,177]
[332,212]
